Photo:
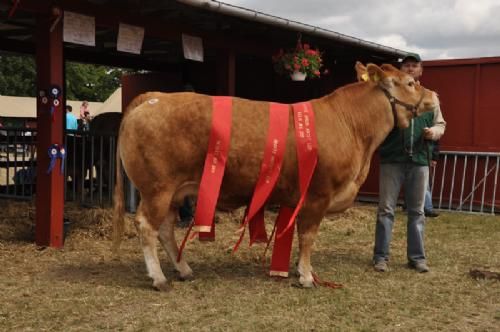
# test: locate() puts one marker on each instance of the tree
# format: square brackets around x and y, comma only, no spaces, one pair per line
[83,81]
[91,82]
[17,76]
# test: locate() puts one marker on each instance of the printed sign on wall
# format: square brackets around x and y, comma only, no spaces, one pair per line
[79,29]
[192,47]
[130,38]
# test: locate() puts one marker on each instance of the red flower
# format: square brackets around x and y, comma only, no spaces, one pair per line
[311,52]
[305,62]
[306,47]
[296,66]
[316,73]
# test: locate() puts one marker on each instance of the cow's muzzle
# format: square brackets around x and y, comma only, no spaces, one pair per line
[409,107]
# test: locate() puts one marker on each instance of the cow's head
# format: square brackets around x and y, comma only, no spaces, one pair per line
[407,97]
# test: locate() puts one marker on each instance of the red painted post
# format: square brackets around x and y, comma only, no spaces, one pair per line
[50,187]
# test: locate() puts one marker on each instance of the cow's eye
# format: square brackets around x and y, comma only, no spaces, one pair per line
[411,83]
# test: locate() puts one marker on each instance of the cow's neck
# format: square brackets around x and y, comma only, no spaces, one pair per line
[364,111]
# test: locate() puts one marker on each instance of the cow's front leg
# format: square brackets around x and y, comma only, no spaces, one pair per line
[308,226]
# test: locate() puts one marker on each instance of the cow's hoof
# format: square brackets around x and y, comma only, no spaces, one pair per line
[187,277]
[163,286]
[306,282]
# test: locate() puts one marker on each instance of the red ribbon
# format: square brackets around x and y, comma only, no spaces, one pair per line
[307,156]
[213,171]
[307,153]
[215,163]
[269,172]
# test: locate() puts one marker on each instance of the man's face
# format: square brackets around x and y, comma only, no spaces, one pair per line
[412,68]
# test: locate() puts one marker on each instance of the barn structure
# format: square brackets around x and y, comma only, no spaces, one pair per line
[237,44]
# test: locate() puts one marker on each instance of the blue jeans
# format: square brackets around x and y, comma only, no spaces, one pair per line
[428,200]
[415,180]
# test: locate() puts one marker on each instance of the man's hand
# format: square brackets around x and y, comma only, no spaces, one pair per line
[428,134]
[433,163]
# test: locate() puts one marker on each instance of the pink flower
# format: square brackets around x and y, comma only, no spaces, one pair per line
[316,72]
[305,62]
[296,66]
[306,47]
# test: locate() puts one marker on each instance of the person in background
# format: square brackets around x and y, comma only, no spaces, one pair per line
[404,159]
[86,121]
[428,207]
[84,108]
[71,120]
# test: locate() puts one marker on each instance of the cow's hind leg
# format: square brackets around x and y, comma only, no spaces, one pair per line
[151,212]
[308,225]
[167,239]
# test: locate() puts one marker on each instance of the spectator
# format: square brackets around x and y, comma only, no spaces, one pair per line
[86,121]
[404,160]
[428,207]
[71,121]
[84,108]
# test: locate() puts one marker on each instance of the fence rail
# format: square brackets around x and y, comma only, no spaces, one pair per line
[461,181]
[89,167]
[466,181]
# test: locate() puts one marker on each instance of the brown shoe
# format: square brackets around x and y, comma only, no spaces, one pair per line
[420,266]
[380,266]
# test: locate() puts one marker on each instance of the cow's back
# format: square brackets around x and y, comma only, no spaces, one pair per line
[164,143]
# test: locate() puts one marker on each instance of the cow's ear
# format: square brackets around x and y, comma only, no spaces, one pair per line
[388,67]
[361,73]
[379,76]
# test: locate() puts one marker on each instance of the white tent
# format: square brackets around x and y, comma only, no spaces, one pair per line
[25,107]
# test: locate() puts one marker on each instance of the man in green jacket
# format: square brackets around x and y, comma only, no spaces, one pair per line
[404,160]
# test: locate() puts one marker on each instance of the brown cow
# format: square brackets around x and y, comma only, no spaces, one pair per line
[163,143]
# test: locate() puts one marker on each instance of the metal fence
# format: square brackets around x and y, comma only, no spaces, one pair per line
[89,166]
[466,181]
[17,162]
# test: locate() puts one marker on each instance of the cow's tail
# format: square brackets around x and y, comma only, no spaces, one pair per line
[119,205]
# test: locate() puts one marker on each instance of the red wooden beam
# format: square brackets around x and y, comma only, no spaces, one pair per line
[50,187]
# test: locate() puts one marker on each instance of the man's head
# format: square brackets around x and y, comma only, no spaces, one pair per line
[69,109]
[412,65]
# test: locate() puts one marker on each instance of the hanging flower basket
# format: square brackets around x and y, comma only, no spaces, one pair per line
[300,63]
[298,76]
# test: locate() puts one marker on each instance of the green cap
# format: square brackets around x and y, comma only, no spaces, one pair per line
[412,56]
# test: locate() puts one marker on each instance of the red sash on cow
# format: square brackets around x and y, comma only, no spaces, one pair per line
[307,155]
[215,163]
[269,172]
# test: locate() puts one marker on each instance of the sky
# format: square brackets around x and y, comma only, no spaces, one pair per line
[436,29]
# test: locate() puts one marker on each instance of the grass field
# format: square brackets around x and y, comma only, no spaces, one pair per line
[85,287]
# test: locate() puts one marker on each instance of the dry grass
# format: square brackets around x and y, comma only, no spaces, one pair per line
[84,287]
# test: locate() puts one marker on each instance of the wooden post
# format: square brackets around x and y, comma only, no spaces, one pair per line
[226,73]
[49,187]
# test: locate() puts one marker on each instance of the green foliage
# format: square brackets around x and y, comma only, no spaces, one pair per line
[17,76]
[91,82]
[83,81]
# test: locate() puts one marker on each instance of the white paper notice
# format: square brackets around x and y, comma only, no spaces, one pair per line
[79,29]
[192,47]
[130,38]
